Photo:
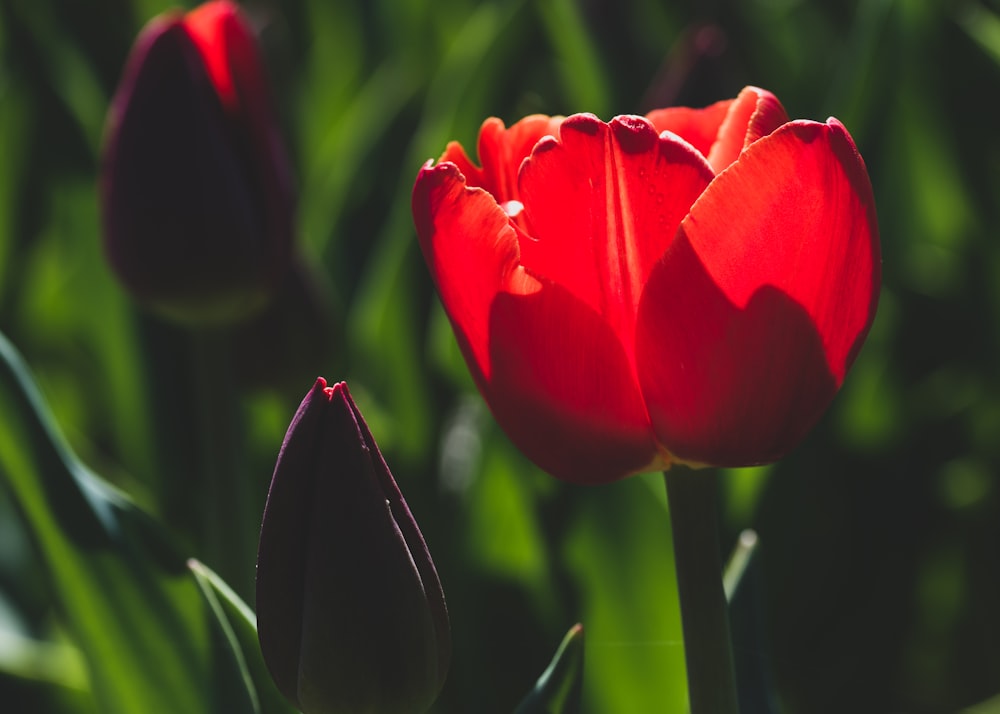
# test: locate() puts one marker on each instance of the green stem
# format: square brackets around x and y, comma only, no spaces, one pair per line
[205,496]
[228,517]
[707,646]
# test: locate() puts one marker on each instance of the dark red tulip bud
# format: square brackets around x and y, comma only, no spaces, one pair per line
[196,187]
[350,612]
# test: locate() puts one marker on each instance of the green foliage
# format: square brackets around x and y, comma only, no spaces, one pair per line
[133,609]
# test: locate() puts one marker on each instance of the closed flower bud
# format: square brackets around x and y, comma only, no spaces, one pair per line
[350,612]
[196,187]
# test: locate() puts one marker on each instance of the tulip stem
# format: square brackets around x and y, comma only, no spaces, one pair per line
[707,645]
[228,518]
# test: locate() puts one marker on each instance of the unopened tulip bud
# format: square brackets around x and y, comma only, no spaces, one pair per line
[350,612]
[196,187]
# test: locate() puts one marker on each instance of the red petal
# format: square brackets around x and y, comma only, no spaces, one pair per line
[454,153]
[698,127]
[601,205]
[471,251]
[753,114]
[212,26]
[753,317]
[226,42]
[563,388]
[555,375]
[501,152]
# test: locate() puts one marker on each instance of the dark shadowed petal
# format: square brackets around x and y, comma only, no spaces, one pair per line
[229,49]
[410,531]
[727,386]
[753,317]
[563,388]
[370,642]
[283,543]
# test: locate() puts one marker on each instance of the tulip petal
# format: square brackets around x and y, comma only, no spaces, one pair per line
[454,153]
[751,320]
[414,539]
[362,585]
[563,388]
[698,127]
[550,367]
[283,544]
[753,114]
[722,130]
[601,205]
[472,252]
[225,40]
[501,152]
[211,27]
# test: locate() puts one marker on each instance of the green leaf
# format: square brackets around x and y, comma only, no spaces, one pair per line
[238,625]
[558,689]
[127,600]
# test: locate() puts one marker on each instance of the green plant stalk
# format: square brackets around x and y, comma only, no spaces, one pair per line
[229,517]
[205,494]
[704,616]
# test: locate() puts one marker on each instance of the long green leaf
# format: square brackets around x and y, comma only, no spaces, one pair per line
[130,604]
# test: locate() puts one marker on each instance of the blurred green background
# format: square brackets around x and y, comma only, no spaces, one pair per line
[877,584]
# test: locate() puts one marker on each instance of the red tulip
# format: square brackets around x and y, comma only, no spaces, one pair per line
[687,287]
[196,186]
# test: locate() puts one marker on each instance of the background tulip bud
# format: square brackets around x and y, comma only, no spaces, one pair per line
[196,187]
[351,614]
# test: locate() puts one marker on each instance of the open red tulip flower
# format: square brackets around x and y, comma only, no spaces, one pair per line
[686,287]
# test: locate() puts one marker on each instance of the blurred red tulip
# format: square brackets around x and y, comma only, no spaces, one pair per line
[350,612]
[196,186]
[687,287]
